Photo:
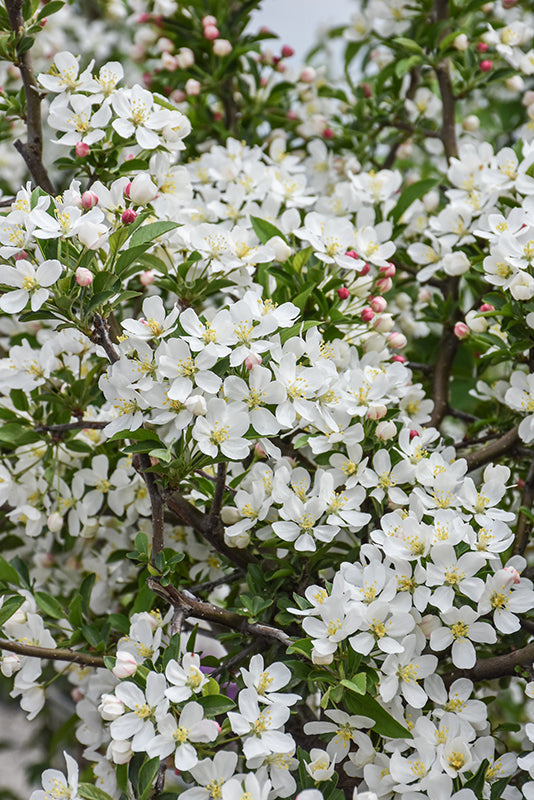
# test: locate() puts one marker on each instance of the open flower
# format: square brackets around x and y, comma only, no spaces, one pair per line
[31,284]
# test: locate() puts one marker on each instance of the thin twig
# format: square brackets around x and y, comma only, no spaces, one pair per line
[193,607]
[33,651]
[100,336]
[524,523]
[493,450]
[32,150]
[209,585]
[142,462]
[71,426]
[237,659]
[481,440]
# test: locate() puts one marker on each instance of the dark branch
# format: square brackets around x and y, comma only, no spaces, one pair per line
[100,336]
[493,450]
[53,654]
[142,462]
[497,667]
[524,523]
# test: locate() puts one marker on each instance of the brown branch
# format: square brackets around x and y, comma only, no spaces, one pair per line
[493,450]
[100,336]
[211,529]
[524,523]
[497,667]
[142,463]
[448,101]
[218,494]
[207,586]
[193,607]
[444,361]
[481,440]
[53,654]
[71,426]
[32,150]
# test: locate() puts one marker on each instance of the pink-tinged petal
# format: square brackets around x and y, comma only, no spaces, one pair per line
[13,302]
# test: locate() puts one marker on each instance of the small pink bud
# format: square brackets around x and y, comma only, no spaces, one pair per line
[328,133]
[82,150]
[252,360]
[126,190]
[217,116]
[482,47]
[128,216]
[211,32]
[486,65]
[365,270]
[388,271]
[377,411]
[367,314]
[461,331]
[43,22]
[55,521]
[125,665]
[143,18]
[21,256]
[77,694]
[147,277]
[209,19]
[287,51]
[343,293]
[352,254]
[486,307]
[399,358]
[89,200]
[384,285]
[281,67]
[222,47]
[84,277]
[414,434]
[192,87]
[260,452]
[308,75]
[366,90]
[397,340]
[292,115]
[178,95]
[514,573]
[379,304]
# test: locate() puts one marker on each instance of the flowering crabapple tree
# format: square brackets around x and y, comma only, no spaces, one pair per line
[267,401]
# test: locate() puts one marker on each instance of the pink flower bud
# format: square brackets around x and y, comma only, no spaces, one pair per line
[514,573]
[128,216]
[379,304]
[165,45]
[192,87]
[343,293]
[252,360]
[21,256]
[486,65]
[196,404]
[287,51]
[328,133]
[388,271]
[178,96]
[209,19]
[147,277]
[260,452]
[84,277]
[89,200]
[366,90]
[428,624]
[77,694]
[397,340]
[400,359]
[384,285]
[125,665]
[365,270]
[55,520]
[471,123]
[386,430]
[377,411]
[367,314]
[482,47]
[222,47]
[292,115]
[486,307]
[82,150]
[211,32]
[352,254]
[414,434]
[461,42]
[308,75]
[461,331]
[126,190]
[142,19]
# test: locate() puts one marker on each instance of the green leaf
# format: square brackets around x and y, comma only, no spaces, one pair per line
[85,591]
[49,605]
[303,646]
[8,573]
[90,792]
[9,607]
[385,724]
[214,704]
[476,783]
[147,775]
[265,230]
[147,233]
[358,684]
[411,194]
[406,64]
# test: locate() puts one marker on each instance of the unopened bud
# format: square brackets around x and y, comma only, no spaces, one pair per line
[308,75]
[377,411]
[209,19]
[211,32]
[192,87]
[514,573]
[222,47]
[379,304]
[367,314]
[10,664]
[400,359]
[461,42]
[384,285]
[196,404]
[89,200]
[397,340]
[485,307]
[343,293]
[55,520]
[486,65]
[482,47]
[147,277]
[128,216]
[414,434]
[384,323]
[281,249]
[84,277]
[110,707]
[252,360]
[142,190]
[125,665]
[471,123]
[461,331]
[230,515]
[386,430]
[119,751]
[82,150]
[388,271]
[287,51]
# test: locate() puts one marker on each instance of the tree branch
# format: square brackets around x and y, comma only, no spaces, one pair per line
[497,667]
[212,530]
[524,523]
[493,450]
[218,494]
[193,607]
[448,101]
[444,361]
[100,336]
[32,150]
[86,659]
[142,462]
[71,426]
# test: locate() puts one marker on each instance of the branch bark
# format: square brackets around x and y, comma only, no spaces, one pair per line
[497,667]
[443,75]
[493,450]
[100,336]
[32,150]
[156,502]
[524,524]
[193,607]
[86,659]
